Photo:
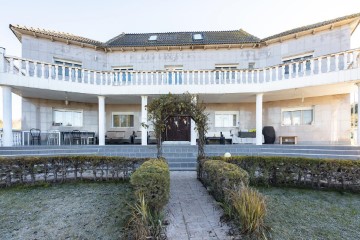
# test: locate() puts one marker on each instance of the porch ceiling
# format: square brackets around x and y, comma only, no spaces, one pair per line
[314,91]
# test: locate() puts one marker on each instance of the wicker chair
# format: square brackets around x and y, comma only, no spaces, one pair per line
[35,136]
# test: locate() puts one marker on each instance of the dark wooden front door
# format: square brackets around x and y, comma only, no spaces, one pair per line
[177,129]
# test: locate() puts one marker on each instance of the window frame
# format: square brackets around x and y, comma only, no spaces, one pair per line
[68,110]
[120,73]
[67,64]
[122,114]
[295,109]
[236,113]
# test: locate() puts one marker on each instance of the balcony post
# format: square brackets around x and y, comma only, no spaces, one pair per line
[144,119]
[259,108]
[192,127]
[101,102]
[358,115]
[7,116]
[2,59]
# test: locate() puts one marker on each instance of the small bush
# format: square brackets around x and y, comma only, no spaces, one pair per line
[152,179]
[220,176]
[250,210]
[144,224]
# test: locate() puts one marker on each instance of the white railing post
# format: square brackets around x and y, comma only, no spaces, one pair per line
[276,73]
[328,61]
[337,62]
[42,70]
[311,66]
[320,65]
[11,70]
[27,69]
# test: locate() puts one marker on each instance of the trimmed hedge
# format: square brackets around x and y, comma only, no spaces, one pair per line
[301,172]
[220,177]
[152,179]
[15,170]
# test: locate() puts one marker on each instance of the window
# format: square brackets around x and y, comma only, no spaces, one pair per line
[299,58]
[153,38]
[67,64]
[123,74]
[122,120]
[251,65]
[197,36]
[297,116]
[221,74]
[174,75]
[226,119]
[67,117]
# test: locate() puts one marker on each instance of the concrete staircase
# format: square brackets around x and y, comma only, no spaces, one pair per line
[183,157]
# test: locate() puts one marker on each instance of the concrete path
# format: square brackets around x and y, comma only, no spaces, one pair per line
[192,212]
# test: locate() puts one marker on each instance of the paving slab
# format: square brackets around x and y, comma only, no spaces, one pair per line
[191,211]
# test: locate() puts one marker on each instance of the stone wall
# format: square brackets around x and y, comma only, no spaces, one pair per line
[329,41]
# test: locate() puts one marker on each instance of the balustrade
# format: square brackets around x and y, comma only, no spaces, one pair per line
[317,65]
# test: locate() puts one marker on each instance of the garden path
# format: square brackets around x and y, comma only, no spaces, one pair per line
[192,212]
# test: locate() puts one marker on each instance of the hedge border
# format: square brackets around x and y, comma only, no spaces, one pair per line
[28,170]
[152,179]
[316,173]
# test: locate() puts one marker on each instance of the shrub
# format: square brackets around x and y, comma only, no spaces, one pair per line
[144,224]
[220,176]
[228,184]
[14,170]
[301,172]
[152,179]
[250,210]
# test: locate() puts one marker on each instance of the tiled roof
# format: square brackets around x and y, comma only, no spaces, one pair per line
[182,38]
[312,26]
[66,36]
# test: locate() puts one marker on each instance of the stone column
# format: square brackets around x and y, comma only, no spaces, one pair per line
[192,127]
[259,107]
[7,117]
[144,119]
[102,122]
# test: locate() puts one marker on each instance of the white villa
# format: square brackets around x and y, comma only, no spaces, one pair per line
[298,81]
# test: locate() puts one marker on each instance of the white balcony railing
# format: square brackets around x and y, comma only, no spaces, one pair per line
[17,137]
[314,66]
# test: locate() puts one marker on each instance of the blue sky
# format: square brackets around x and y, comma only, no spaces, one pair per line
[102,20]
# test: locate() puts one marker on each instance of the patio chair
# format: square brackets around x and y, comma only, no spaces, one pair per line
[35,136]
[76,137]
[53,137]
[84,137]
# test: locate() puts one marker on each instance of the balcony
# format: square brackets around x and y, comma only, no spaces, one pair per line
[327,69]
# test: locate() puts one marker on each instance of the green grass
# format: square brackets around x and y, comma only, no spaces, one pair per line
[66,211]
[310,214]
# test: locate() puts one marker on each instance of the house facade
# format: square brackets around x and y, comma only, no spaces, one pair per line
[299,81]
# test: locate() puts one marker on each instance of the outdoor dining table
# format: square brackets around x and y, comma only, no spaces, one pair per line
[86,133]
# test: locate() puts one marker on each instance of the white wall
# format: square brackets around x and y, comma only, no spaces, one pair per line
[320,43]
[45,50]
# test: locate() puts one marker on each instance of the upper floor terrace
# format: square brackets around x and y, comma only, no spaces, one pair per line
[26,75]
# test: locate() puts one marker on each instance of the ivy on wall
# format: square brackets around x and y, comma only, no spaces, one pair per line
[178,105]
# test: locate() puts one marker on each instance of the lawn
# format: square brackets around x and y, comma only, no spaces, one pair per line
[66,211]
[310,214]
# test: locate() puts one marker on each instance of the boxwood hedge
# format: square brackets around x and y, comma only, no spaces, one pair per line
[15,170]
[152,179]
[300,172]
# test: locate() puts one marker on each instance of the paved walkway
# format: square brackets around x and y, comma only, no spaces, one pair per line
[192,212]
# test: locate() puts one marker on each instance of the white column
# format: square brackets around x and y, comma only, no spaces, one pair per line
[192,127]
[2,59]
[102,123]
[7,117]
[259,107]
[144,119]
[358,115]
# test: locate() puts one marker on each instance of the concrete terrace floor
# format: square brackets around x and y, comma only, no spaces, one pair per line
[191,211]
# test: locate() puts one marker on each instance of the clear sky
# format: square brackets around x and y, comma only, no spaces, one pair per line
[102,20]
